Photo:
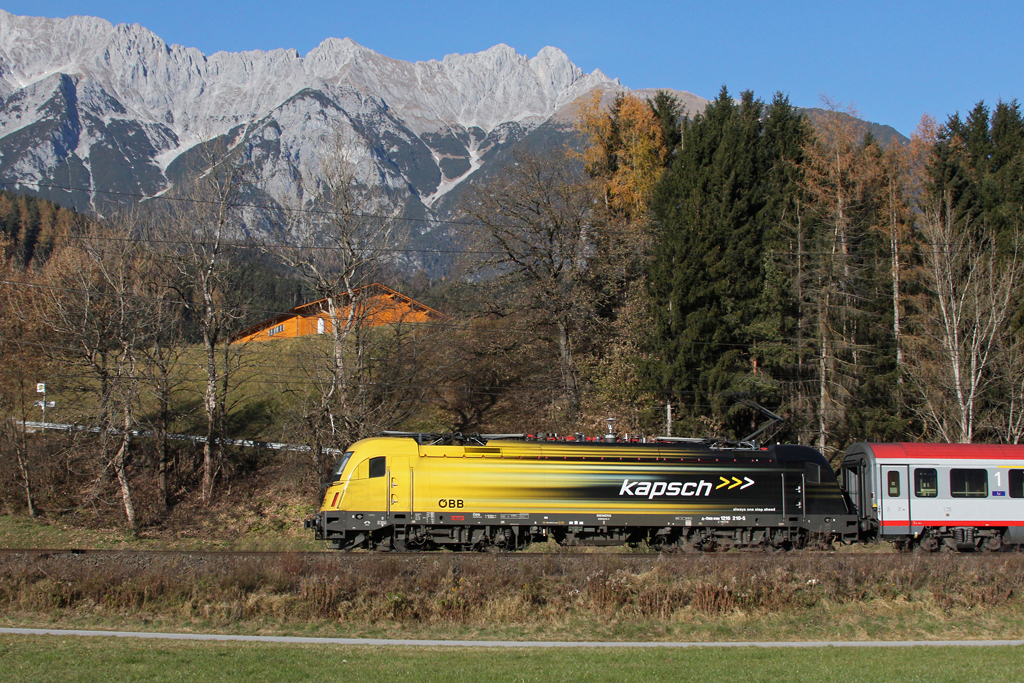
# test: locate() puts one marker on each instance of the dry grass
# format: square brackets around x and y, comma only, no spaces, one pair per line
[591,595]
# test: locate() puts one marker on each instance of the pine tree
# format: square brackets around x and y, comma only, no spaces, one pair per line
[716,301]
[1007,170]
[669,112]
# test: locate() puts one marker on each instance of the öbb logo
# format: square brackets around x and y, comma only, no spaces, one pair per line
[451,503]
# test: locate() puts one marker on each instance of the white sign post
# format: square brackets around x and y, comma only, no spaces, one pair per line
[44,404]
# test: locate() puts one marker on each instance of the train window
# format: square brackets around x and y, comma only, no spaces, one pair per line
[378,467]
[968,483]
[1016,483]
[812,473]
[926,482]
[851,483]
[894,484]
[340,467]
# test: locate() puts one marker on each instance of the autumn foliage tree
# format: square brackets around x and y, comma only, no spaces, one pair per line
[628,147]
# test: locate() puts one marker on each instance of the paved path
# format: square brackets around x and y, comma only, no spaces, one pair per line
[498,643]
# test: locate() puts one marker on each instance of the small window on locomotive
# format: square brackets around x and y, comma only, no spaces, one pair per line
[378,467]
[340,467]
[894,484]
[926,482]
[1016,483]
[812,473]
[968,483]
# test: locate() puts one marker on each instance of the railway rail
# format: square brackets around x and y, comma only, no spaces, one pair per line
[571,555]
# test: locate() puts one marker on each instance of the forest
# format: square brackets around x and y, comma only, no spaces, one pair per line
[691,260]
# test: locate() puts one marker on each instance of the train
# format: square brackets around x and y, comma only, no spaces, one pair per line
[504,492]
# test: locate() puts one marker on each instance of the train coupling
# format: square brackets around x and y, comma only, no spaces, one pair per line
[314,524]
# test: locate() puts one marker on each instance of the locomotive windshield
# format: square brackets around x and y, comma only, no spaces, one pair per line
[340,467]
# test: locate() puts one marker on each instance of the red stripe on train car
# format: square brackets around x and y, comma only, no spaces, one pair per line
[952,451]
[952,522]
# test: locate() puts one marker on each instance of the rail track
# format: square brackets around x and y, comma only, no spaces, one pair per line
[570,554]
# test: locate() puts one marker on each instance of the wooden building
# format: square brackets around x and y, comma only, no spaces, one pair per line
[371,306]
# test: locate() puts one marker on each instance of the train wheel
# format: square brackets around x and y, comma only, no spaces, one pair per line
[817,541]
[708,544]
[780,541]
[992,543]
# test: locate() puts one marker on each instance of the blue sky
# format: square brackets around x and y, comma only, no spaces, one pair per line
[892,60]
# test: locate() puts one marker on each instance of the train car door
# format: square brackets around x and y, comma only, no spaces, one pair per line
[793,491]
[399,493]
[895,503]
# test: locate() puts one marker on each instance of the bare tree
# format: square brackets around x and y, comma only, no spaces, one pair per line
[535,233]
[163,372]
[94,304]
[14,338]
[972,289]
[200,231]
[1008,420]
[18,439]
[341,239]
[838,179]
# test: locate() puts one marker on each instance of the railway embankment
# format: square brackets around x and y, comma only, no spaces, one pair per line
[543,596]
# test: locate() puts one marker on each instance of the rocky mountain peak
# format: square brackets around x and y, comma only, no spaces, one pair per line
[96,108]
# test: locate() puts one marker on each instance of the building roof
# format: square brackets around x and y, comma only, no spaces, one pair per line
[378,304]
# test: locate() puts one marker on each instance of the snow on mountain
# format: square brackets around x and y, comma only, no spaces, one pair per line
[112,110]
[178,96]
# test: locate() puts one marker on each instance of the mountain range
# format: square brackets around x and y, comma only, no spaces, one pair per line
[92,112]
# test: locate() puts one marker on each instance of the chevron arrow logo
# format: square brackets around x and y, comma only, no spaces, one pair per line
[729,483]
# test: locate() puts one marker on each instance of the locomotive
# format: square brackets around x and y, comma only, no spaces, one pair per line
[504,492]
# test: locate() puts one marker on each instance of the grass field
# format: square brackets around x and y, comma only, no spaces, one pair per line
[269,383]
[32,658]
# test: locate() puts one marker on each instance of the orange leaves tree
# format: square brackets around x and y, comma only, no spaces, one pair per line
[628,147]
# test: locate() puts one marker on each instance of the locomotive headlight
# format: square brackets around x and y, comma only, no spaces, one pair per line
[334,495]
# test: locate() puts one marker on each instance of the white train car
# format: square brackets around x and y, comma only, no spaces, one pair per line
[952,496]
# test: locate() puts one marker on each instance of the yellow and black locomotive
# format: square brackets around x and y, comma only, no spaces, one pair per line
[507,491]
